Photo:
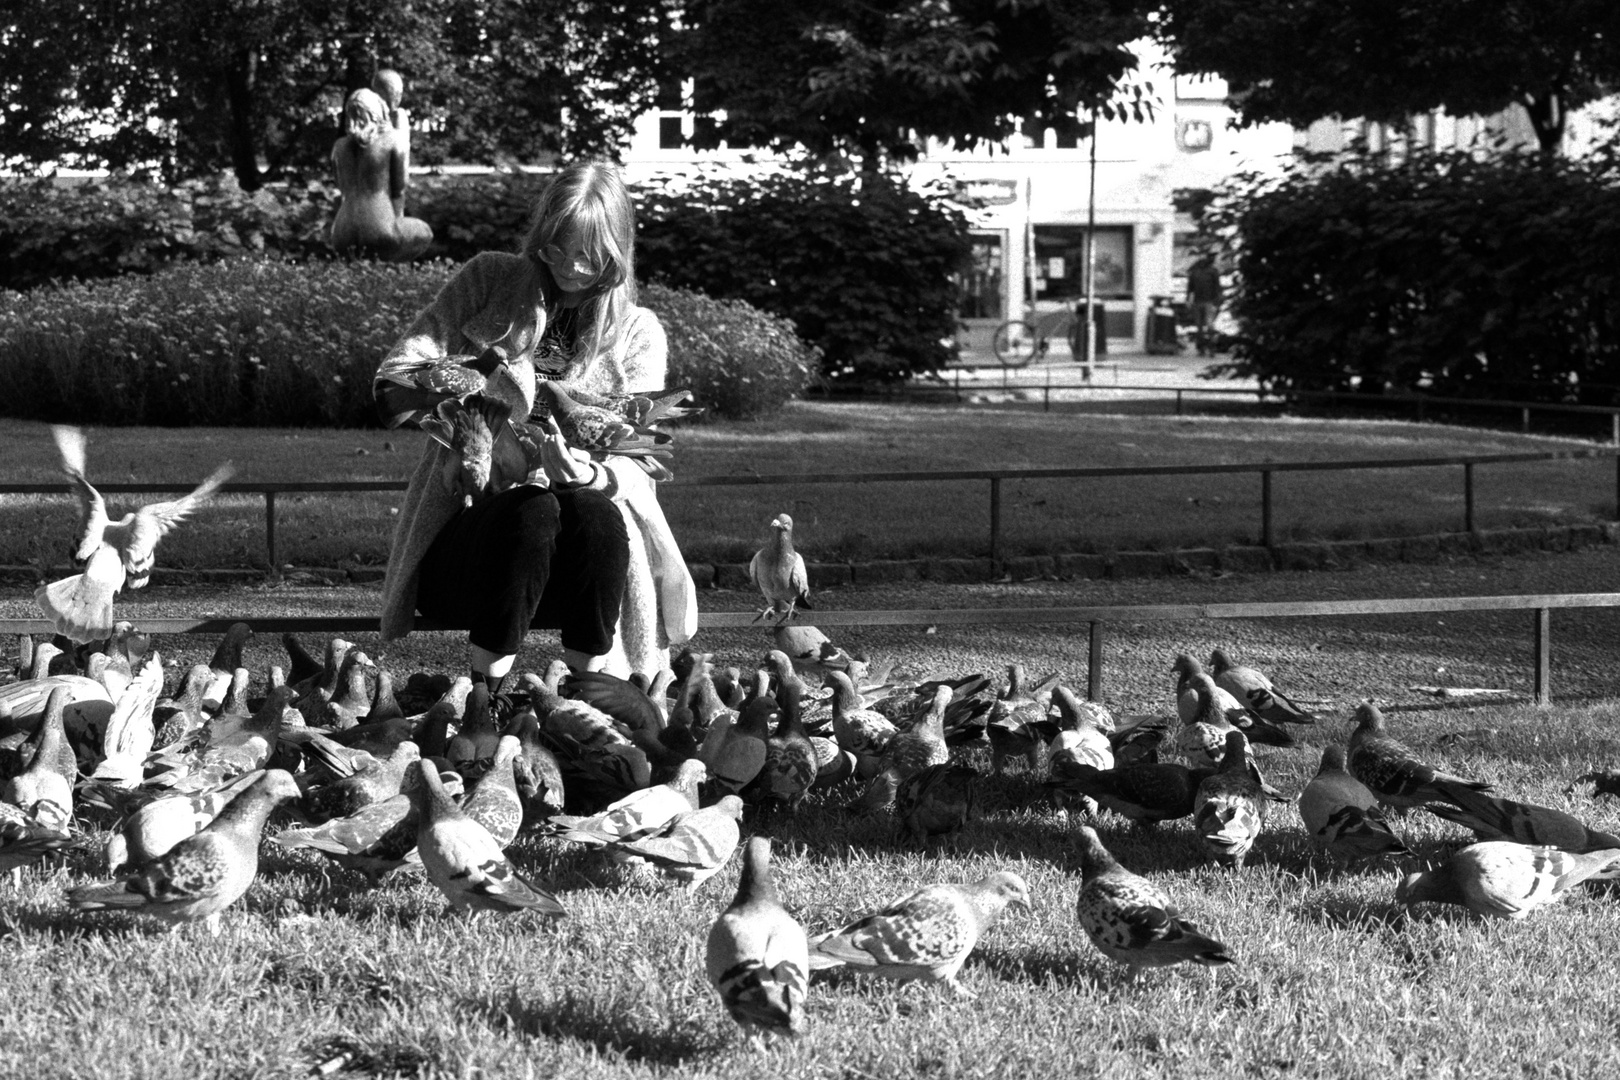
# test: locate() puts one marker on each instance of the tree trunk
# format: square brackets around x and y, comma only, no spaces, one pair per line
[1546,112]
[241,136]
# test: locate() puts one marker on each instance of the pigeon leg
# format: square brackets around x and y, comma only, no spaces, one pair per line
[213,923]
[959,990]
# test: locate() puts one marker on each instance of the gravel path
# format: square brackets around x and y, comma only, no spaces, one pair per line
[1334,661]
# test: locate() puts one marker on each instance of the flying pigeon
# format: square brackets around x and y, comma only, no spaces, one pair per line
[1393,772]
[204,874]
[1255,691]
[1130,920]
[1342,815]
[778,572]
[926,936]
[758,958]
[1506,880]
[114,553]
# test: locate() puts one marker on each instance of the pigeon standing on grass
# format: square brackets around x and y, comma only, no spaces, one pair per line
[926,936]
[691,848]
[1130,920]
[1229,810]
[1506,880]
[758,958]
[778,572]
[1255,691]
[463,861]
[1342,815]
[1393,772]
[204,874]
[114,553]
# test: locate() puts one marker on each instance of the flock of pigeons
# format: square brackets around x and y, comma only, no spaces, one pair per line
[442,773]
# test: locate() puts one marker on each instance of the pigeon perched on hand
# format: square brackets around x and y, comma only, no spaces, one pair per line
[114,553]
[1130,920]
[926,936]
[758,958]
[204,874]
[1342,815]
[595,428]
[778,572]
[1506,880]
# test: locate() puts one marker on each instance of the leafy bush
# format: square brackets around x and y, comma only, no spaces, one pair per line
[864,272]
[739,362]
[1442,273]
[265,342]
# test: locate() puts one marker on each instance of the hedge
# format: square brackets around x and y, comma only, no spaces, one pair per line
[268,342]
[1445,273]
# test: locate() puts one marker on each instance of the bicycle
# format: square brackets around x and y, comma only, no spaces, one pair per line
[1018,341]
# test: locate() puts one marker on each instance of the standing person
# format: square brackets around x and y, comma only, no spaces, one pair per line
[371,172]
[579,543]
[1204,295]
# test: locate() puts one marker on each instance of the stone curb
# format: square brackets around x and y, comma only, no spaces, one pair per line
[1293,556]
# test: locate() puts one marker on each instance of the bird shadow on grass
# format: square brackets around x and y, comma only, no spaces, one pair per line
[578,1016]
[1038,968]
[1352,913]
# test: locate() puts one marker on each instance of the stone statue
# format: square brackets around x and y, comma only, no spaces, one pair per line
[370,162]
[391,88]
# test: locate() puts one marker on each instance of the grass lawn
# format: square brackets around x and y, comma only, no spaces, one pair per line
[862,521]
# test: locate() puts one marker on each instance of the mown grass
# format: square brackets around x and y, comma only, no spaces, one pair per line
[862,521]
[1331,979]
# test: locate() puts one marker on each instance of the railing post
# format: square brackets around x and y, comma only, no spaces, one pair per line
[1094,659]
[1614,429]
[1543,657]
[1178,411]
[1266,539]
[1046,396]
[1524,420]
[273,564]
[995,517]
[1468,496]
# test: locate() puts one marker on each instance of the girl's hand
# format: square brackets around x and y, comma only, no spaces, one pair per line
[564,466]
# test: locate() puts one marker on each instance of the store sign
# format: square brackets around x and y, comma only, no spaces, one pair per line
[987,192]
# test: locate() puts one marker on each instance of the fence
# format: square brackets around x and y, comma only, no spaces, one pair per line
[1095,619]
[1419,402]
[994,477]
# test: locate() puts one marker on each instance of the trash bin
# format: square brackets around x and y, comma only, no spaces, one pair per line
[1161,328]
[1078,328]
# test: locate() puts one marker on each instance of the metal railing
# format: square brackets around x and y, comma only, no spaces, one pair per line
[1094,618]
[994,477]
[1419,402]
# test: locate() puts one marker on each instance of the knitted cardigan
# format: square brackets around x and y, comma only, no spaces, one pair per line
[495,299]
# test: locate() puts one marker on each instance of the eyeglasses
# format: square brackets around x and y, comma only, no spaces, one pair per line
[557,259]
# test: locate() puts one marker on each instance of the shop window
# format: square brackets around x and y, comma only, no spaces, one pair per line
[979,291]
[1060,263]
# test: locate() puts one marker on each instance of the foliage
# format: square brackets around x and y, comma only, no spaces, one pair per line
[1442,272]
[267,342]
[190,87]
[871,79]
[1301,60]
[740,363]
[862,267]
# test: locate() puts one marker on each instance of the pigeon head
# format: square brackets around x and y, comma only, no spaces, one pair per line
[1185,665]
[1219,661]
[1006,887]
[1368,718]
[1333,759]
[783,522]
[1236,758]
[1430,886]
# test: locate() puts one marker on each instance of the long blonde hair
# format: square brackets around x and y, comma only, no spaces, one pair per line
[589,197]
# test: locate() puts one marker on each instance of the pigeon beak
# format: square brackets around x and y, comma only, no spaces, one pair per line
[778,523]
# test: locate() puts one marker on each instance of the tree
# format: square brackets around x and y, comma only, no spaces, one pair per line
[192,86]
[1385,60]
[874,77]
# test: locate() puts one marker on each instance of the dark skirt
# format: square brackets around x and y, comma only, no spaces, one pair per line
[529,557]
